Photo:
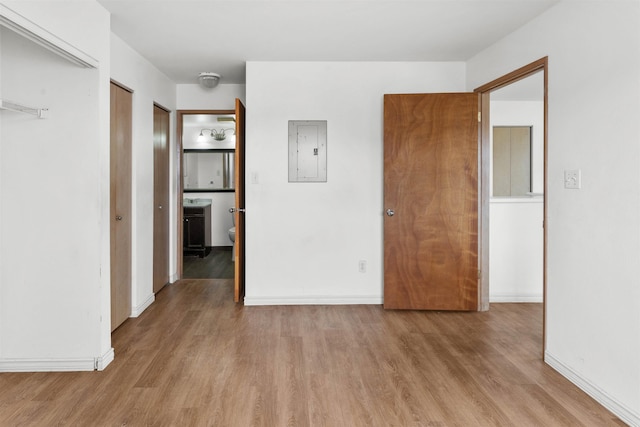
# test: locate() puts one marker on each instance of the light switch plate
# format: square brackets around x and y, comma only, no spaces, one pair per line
[572,179]
[362,266]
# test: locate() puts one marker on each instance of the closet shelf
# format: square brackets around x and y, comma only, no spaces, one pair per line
[41,113]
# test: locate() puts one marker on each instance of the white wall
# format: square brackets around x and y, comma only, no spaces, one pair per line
[516,234]
[54,247]
[593,297]
[222,97]
[149,85]
[516,250]
[304,240]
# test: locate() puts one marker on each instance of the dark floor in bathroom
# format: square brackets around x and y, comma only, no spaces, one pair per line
[216,265]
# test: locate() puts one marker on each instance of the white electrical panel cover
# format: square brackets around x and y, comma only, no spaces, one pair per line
[307,151]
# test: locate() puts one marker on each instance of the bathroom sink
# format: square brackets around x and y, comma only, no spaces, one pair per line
[196,202]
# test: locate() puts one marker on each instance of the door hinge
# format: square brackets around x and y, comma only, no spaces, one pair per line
[479,116]
[479,274]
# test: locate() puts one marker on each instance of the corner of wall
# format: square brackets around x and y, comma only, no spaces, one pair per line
[623,412]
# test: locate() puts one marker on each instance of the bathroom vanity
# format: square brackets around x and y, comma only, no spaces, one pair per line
[196,224]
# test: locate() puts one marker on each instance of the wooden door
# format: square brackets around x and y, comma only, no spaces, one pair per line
[239,194]
[120,159]
[160,198]
[431,201]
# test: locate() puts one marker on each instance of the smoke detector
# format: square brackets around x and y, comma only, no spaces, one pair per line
[209,80]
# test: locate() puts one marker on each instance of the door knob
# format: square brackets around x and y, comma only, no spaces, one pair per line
[390,212]
[232,210]
[118,218]
[160,207]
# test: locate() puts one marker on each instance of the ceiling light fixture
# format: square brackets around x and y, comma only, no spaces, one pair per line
[209,80]
[218,135]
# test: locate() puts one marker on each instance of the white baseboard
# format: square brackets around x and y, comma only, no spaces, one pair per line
[137,311]
[620,410]
[357,300]
[57,365]
[314,300]
[47,365]
[104,360]
[515,298]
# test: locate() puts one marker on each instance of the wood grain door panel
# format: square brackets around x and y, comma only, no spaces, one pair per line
[431,184]
[160,198]
[120,205]
[239,195]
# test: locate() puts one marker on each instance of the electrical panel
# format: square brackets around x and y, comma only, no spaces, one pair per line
[307,151]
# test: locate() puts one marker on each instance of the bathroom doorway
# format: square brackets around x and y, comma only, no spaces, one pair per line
[207,141]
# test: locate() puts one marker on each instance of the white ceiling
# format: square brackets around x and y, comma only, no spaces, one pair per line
[184,37]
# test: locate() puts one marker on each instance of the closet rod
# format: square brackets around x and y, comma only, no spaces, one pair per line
[41,113]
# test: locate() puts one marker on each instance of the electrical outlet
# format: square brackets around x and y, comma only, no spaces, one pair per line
[362,266]
[572,179]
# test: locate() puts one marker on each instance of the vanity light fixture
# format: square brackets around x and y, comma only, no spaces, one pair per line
[218,135]
[209,80]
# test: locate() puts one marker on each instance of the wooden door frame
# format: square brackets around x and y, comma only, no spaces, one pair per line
[484,91]
[179,165]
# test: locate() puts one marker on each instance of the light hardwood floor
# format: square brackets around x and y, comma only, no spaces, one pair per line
[196,359]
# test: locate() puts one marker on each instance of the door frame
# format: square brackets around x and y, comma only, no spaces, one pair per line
[484,92]
[179,166]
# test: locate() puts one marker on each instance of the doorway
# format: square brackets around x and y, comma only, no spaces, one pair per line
[517,189]
[415,289]
[224,139]
[529,84]
[207,145]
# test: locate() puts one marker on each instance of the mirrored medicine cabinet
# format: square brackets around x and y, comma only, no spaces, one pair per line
[208,151]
